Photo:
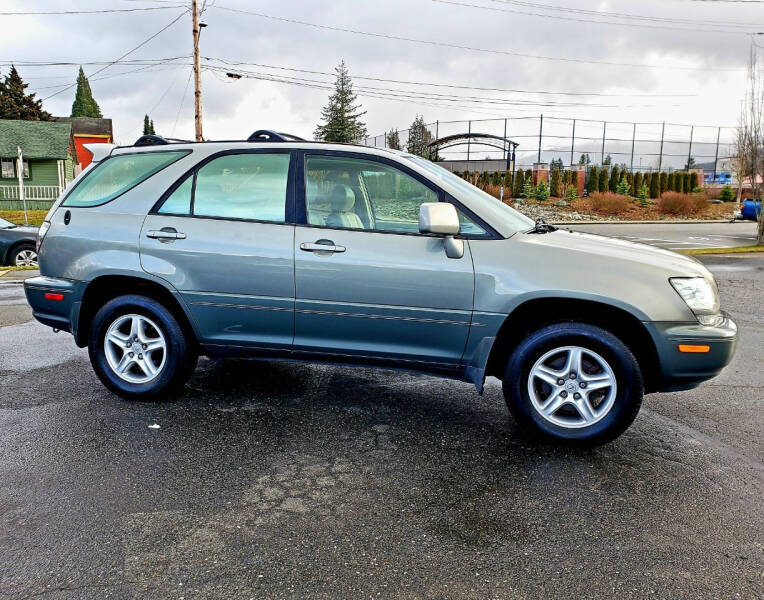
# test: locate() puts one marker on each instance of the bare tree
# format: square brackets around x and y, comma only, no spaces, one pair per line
[750,134]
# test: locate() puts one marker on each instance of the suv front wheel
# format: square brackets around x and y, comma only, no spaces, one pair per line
[138,349]
[574,382]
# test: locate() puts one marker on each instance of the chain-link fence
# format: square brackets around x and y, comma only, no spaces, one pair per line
[638,146]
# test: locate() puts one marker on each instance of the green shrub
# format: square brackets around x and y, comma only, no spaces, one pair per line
[655,186]
[664,182]
[727,194]
[615,178]
[636,184]
[623,188]
[571,193]
[642,195]
[518,184]
[593,182]
[602,185]
[555,186]
[528,190]
[694,181]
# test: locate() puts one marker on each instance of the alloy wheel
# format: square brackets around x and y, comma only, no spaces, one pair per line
[25,258]
[135,348]
[572,387]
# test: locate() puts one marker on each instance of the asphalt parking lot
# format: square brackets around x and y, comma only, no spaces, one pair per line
[281,480]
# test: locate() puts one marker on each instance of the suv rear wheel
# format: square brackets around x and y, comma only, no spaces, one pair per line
[138,349]
[574,382]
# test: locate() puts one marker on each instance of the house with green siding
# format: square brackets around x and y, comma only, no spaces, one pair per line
[50,161]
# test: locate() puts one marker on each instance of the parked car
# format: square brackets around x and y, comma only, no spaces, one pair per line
[749,210]
[18,244]
[279,248]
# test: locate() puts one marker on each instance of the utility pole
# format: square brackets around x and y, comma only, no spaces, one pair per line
[197,73]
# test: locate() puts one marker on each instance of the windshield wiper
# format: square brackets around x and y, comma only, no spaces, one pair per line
[542,226]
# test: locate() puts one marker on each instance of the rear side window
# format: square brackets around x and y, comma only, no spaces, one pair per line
[243,186]
[118,174]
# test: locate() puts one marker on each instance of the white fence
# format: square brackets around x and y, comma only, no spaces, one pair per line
[31,192]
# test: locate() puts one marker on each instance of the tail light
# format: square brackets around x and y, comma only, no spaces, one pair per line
[41,234]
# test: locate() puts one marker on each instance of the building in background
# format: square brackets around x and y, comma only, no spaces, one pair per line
[87,130]
[50,160]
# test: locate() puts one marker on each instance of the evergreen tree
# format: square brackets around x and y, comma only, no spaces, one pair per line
[528,190]
[630,180]
[16,104]
[420,137]
[679,183]
[572,193]
[584,160]
[602,185]
[556,164]
[642,195]
[555,185]
[687,183]
[655,186]
[622,188]
[529,175]
[691,164]
[393,140]
[518,184]
[607,162]
[148,126]
[664,183]
[592,184]
[637,183]
[615,178]
[341,116]
[670,184]
[542,191]
[574,180]
[84,105]
[693,181]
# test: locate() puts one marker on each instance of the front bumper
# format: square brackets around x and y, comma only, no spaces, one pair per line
[684,371]
[55,302]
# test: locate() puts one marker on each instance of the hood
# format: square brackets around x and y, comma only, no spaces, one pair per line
[672,263]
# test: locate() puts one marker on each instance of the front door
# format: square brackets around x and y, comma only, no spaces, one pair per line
[222,237]
[368,284]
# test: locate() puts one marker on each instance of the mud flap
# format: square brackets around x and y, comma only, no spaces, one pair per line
[475,371]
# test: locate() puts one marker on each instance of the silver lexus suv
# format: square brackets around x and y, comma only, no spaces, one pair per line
[276,247]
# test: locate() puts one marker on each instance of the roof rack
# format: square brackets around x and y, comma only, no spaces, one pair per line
[150,140]
[266,135]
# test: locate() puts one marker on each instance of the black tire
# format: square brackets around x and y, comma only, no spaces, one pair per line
[12,258]
[179,362]
[628,376]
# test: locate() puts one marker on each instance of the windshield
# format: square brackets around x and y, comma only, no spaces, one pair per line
[5,224]
[484,203]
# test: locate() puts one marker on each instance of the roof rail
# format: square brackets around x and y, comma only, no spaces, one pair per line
[150,140]
[266,135]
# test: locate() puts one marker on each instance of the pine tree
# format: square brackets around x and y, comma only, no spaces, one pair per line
[608,160]
[592,184]
[622,188]
[341,116]
[542,191]
[574,180]
[642,195]
[16,104]
[664,183]
[419,139]
[518,184]
[670,183]
[727,194]
[602,185]
[555,185]
[84,105]
[687,183]
[584,160]
[528,190]
[393,140]
[630,180]
[148,126]
[615,178]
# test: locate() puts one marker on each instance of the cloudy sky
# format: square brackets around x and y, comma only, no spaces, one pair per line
[681,61]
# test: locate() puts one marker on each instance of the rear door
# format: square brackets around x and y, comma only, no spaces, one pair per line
[223,237]
[368,283]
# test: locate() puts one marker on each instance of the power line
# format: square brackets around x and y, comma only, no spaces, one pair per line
[623,15]
[88,12]
[589,20]
[456,86]
[143,43]
[180,106]
[461,47]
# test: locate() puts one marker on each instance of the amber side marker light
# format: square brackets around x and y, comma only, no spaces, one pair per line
[49,296]
[694,349]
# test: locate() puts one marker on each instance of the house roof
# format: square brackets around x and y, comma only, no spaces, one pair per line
[87,125]
[37,139]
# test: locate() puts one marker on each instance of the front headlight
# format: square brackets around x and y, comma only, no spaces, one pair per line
[699,293]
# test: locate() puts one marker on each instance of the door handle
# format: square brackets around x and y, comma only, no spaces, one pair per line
[166,233]
[321,246]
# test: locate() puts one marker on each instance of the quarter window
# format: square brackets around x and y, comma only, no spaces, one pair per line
[179,202]
[243,186]
[118,174]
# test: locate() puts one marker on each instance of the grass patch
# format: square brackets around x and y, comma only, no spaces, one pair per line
[733,250]
[16,217]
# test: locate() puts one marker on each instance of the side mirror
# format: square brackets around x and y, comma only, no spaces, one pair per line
[441,218]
